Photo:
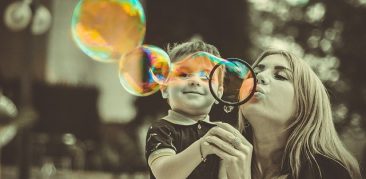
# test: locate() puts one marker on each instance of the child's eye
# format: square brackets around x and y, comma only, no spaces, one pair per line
[183,75]
[205,78]
[204,75]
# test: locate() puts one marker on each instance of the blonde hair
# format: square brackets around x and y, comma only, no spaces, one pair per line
[312,132]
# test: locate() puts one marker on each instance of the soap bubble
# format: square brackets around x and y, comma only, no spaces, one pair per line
[143,70]
[106,30]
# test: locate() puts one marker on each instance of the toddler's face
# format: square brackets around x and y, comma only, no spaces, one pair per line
[188,87]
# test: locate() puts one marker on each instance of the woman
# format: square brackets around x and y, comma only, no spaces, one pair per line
[287,125]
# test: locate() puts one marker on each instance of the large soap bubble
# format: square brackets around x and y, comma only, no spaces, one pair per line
[106,30]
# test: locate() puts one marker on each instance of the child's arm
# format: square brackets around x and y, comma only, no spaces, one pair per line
[178,166]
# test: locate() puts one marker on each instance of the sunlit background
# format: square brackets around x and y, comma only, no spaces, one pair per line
[76,120]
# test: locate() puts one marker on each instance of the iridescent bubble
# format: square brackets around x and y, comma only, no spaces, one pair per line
[204,56]
[239,81]
[200,63]
[143,69]
[106,30]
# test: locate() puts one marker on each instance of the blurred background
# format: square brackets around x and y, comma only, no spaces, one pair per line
[74,119]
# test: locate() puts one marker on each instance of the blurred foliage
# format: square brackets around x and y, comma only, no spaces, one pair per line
[330,36]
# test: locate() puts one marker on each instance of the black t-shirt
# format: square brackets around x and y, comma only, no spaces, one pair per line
[175,135]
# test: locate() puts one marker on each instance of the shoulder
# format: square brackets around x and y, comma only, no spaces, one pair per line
[161,129]
[327,168]
[159,140]
[161,124]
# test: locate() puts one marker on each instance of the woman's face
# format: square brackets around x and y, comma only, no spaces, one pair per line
[273,101]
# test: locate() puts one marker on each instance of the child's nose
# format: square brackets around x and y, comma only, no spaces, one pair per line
[194,80]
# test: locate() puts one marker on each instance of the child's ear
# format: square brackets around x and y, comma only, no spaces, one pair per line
[220,91]
[164,92]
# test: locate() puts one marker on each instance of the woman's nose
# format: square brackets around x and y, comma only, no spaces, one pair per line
[261,78]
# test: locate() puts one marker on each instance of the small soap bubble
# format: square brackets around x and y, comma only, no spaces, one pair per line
[143,70]
[238,81]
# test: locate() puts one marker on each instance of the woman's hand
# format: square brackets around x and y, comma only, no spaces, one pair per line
[235,151]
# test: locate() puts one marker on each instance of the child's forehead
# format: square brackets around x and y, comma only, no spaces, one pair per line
[194,64]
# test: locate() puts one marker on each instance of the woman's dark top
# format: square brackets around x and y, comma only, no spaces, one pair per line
[328,169]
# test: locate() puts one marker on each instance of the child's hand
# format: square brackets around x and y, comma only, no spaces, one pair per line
[204,148]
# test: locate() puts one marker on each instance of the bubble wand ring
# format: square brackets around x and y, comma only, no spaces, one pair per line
[227,61]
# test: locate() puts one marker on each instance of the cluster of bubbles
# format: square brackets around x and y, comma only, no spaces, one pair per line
[113,31]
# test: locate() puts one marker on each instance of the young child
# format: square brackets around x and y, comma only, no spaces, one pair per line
[172,147]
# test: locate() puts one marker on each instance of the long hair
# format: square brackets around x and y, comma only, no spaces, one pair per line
[312,131]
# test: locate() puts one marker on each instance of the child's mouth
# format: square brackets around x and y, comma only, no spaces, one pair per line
[192,92]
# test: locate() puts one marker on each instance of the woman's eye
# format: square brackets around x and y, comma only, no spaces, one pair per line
[280,77]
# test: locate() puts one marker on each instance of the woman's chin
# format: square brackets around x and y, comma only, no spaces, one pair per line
[251,108]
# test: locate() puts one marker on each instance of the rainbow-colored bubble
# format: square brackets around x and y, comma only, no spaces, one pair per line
[106,30]
[143,69]
[199,62]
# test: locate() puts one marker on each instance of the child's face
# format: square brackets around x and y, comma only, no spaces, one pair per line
[187,88]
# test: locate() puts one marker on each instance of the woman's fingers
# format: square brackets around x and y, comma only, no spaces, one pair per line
[235,166]
[221,133]
[215,150]
[229,134]
[237,160]
[232,130]
[223,145]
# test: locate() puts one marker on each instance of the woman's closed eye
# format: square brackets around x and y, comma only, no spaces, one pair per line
[281,76]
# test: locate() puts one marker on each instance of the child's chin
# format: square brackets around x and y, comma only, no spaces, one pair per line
[198,109]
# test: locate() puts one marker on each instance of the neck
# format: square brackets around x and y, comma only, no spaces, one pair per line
[269,146]
[196,117]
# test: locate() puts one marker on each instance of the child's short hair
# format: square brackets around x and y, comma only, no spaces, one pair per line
[177,51]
